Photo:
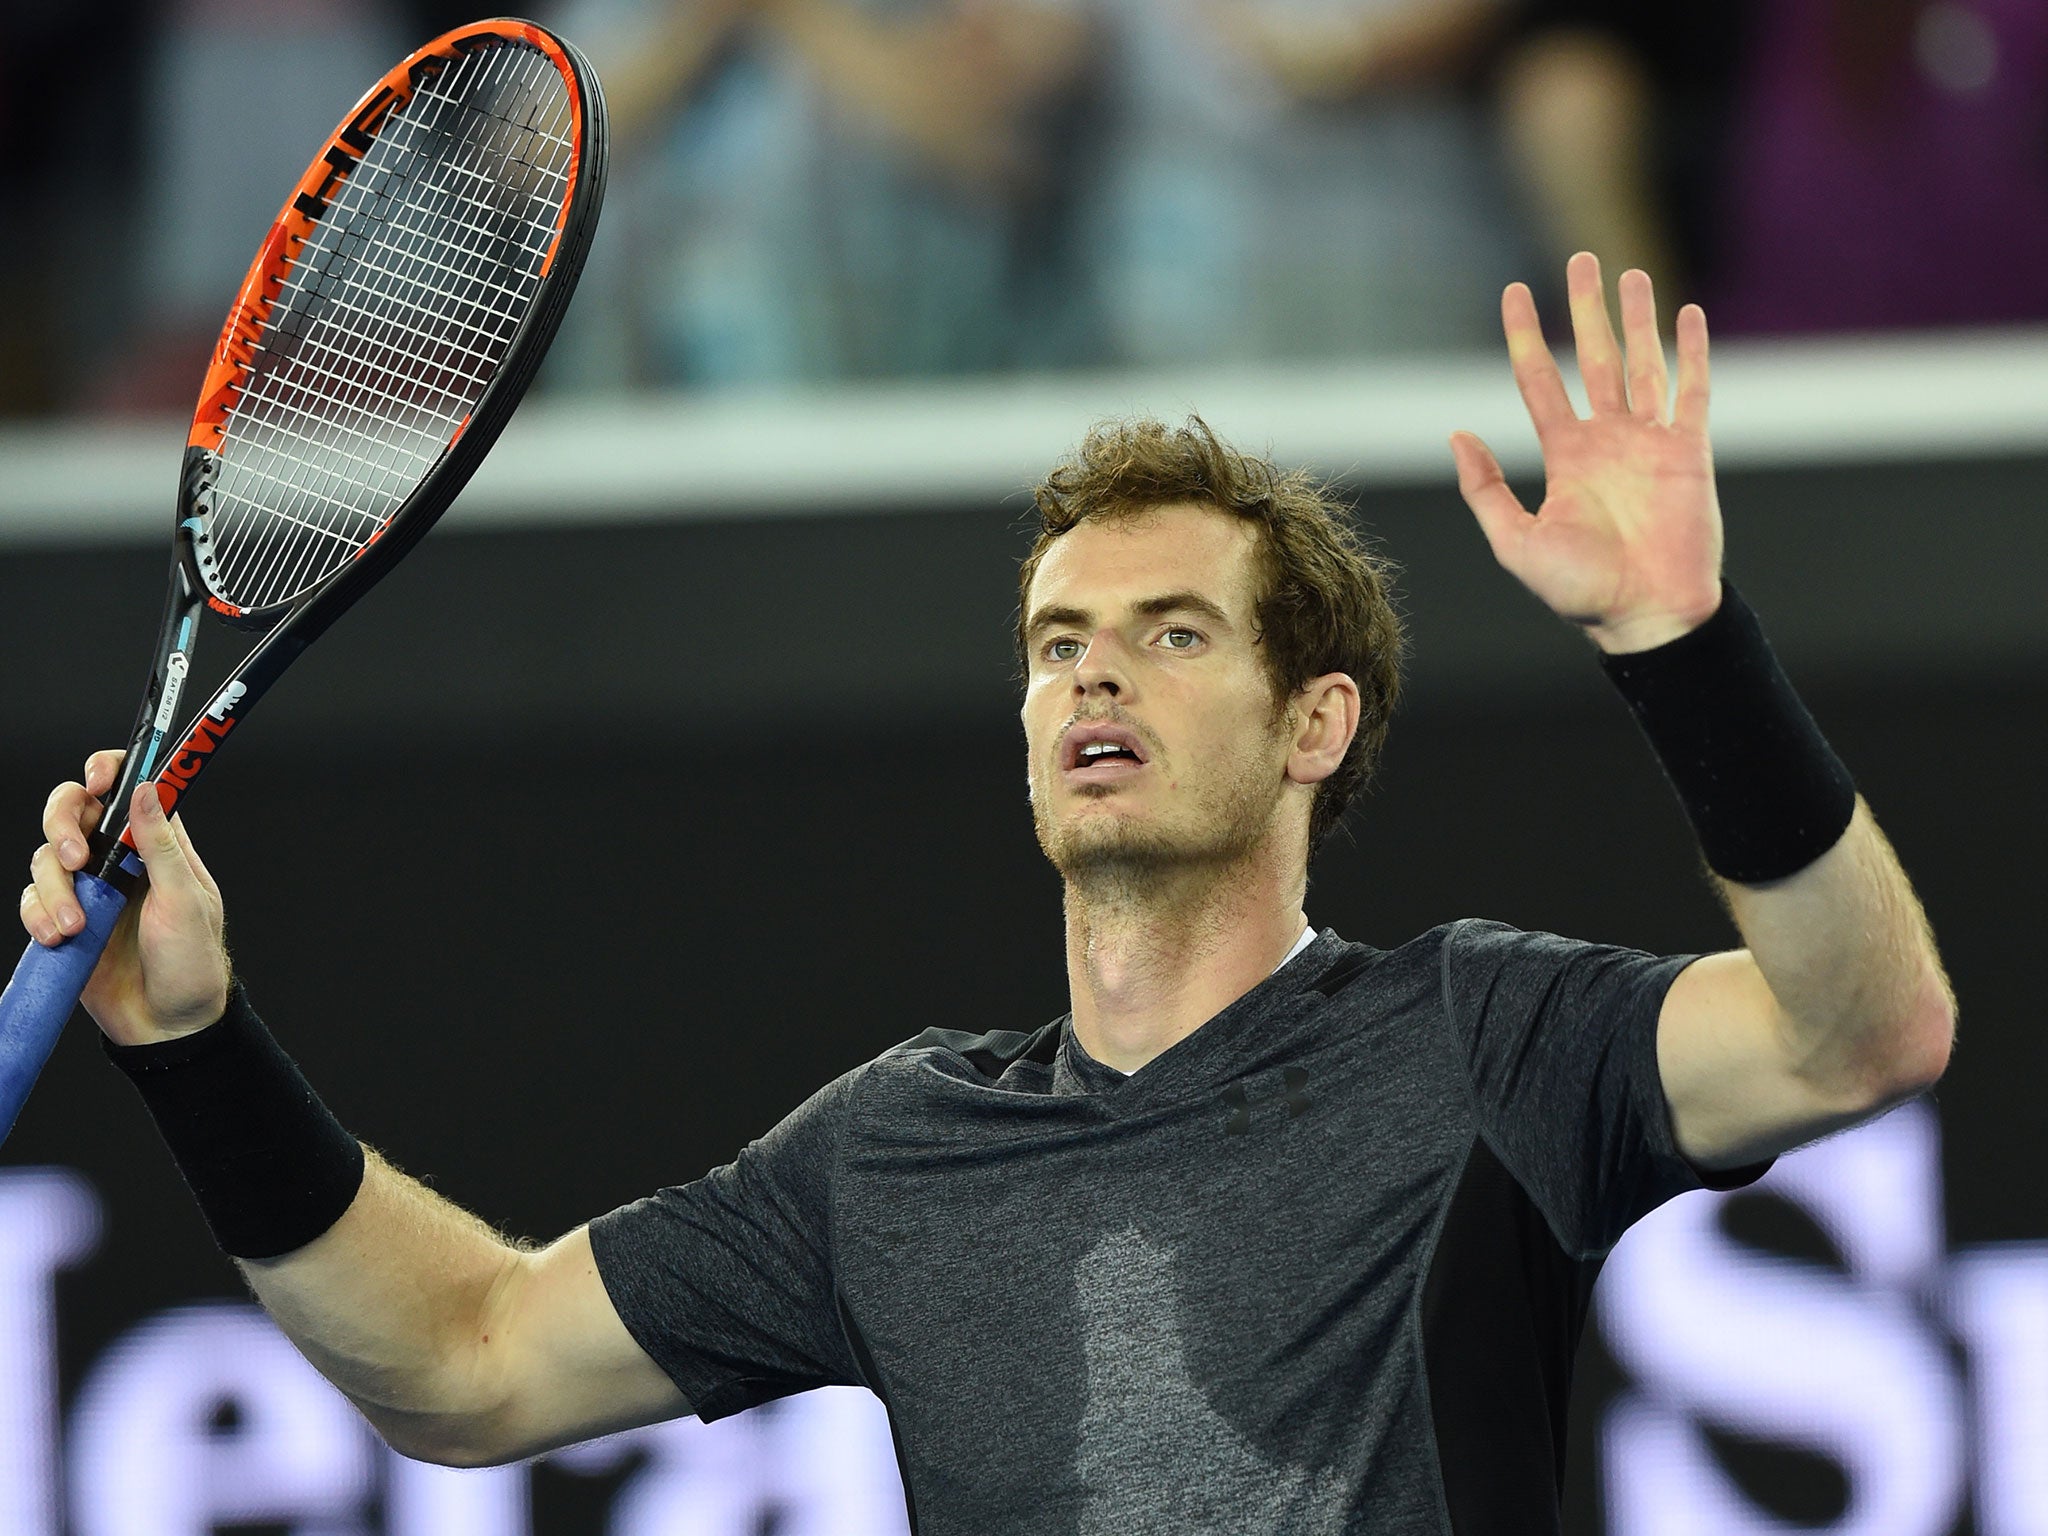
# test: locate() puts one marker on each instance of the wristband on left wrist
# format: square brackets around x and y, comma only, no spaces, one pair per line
[270,1166]
[1764,791]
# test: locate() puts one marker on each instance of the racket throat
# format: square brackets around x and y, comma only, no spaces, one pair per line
[114,859]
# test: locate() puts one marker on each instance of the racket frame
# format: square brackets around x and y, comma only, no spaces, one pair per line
[172,759]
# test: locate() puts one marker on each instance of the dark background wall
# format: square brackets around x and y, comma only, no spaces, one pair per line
[571,862]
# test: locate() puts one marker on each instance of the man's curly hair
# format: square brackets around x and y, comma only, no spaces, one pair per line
[1325,603]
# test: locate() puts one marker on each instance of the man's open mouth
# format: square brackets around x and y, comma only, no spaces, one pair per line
[1101,750]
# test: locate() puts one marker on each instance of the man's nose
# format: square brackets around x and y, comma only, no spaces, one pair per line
[1104,666]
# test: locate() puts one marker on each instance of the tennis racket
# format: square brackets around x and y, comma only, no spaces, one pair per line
[392,318]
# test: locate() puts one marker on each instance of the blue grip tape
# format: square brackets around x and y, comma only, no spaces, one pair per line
[44,990]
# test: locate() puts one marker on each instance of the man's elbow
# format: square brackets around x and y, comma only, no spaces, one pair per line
[1922,1041]
[466,1441]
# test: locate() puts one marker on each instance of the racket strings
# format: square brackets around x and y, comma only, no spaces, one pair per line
[375,328]
[395,317]
[380,275]
[412,430]
[303,409]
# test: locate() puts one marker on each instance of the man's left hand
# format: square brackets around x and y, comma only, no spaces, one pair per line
[1627,543]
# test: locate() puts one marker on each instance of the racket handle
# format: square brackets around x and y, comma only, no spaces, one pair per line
[45,989]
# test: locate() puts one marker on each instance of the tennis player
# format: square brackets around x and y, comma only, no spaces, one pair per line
[1274,1232]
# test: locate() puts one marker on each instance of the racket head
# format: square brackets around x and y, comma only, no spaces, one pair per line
[392,317]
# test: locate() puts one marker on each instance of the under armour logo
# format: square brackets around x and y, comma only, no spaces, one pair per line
[1293,1092]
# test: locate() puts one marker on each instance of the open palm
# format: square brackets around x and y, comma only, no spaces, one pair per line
[1627,542]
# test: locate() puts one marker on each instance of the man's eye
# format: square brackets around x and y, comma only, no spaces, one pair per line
[1181,639]
[1063,650]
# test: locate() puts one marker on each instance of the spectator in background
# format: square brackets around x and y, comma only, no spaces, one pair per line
[1614,115]
[1297,178]
[818,189]
[239,95]
[1890,167]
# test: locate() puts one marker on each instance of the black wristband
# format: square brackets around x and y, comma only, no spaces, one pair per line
[271,1168]
[1764,790]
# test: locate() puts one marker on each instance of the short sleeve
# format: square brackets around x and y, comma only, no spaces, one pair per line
[727,1283]
[1561,1046]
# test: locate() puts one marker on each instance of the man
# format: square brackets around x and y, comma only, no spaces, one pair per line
[1274,1233]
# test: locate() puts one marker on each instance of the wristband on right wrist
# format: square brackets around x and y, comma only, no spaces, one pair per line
[1765,792]
[271,1167]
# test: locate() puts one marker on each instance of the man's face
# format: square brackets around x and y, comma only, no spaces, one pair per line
[1148,715]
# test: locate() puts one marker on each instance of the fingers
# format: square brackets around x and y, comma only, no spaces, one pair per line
[49,904]
[1648,382]
[158,842]
[69,816]
[101,768]
[1599,353]
[184,965]
[198,866]
[1536,374]
[1502,518]
[49,908]
[1691,409]
[36,918]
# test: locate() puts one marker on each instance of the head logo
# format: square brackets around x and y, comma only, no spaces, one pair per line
[1293,1092]
[241,339]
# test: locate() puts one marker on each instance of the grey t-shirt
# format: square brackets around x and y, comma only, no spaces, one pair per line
[1320,1268]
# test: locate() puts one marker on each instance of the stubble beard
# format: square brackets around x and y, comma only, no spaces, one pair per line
[1120,861]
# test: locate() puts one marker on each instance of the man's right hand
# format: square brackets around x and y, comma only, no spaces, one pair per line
[165,970]
[459,1347]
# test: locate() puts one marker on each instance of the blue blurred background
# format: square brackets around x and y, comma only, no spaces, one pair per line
[514,862]
[818,191]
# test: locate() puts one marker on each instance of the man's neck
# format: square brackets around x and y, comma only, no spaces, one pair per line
[1147,969]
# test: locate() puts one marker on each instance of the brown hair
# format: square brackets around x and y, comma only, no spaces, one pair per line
[1326,603]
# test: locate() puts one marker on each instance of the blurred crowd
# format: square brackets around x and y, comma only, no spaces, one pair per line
[817,190]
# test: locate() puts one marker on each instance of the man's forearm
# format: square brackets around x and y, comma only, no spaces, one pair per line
[1847,952]
[1857,1001]
[394,1305]
[390,1291]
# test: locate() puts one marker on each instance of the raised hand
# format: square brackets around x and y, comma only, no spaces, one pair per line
[1627,542]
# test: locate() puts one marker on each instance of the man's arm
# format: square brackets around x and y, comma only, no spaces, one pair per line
[1838,1007]
[457,1345]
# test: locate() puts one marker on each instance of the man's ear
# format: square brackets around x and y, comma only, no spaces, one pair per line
[1325,715]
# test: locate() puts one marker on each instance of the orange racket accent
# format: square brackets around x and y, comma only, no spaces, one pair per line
[236,350]
[218,606]
[179,768]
